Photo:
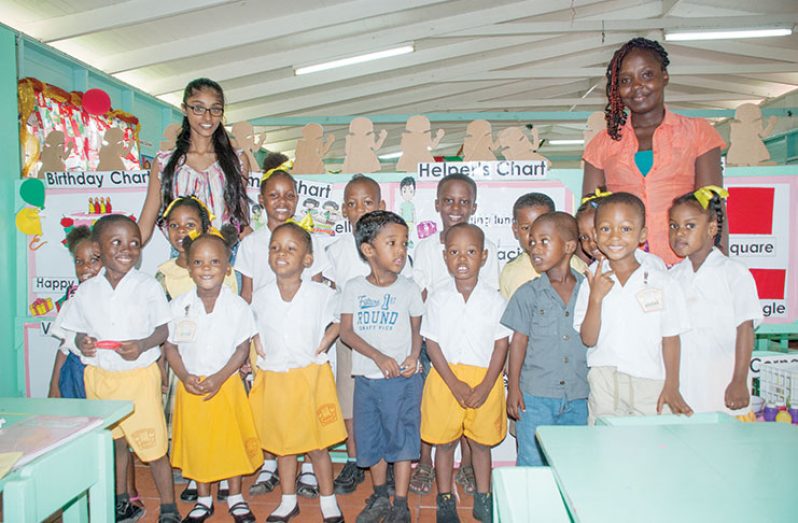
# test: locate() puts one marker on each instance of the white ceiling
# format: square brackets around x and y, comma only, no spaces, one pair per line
[471,55]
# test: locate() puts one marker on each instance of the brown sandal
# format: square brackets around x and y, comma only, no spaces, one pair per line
[421,480]
[465,478]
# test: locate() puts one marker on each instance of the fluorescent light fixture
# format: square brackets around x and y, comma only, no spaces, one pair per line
[727,34]
[565,142]
[390,156]
[396,51]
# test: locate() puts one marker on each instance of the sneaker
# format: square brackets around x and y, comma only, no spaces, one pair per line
[349,478]
[169,517]
[377,509]
[127,513]
[483,507]
[399,514]
[447,509]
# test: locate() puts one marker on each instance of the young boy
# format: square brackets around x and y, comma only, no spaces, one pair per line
[126,306]
[380,320]
[630,316]
[456,201]
[464,392]
[547,370]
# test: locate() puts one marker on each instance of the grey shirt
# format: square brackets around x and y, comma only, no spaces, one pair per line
[555,365]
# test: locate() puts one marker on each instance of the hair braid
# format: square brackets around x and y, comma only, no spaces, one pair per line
[716,204]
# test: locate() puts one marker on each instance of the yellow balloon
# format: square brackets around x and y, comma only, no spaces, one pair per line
[28,221]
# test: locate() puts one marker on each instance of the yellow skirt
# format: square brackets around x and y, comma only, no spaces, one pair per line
[443,420]
[297,411]
[215,439]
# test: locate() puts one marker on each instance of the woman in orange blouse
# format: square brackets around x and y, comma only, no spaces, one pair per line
[650,152]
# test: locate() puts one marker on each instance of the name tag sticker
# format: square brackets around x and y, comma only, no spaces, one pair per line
[185,331]
[650,300]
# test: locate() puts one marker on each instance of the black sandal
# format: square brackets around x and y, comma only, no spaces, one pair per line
[204,513]
[264,487]
[306,490]
[249,517]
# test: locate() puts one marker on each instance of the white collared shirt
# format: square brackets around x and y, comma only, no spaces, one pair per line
[429,268]
[132,311]
[290,332]
[630,338]
[207,341]
[465,330]
[344,262]
[57,331]
[643,258]
[252,259]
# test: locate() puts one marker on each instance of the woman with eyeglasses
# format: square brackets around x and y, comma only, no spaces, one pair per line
[203,163]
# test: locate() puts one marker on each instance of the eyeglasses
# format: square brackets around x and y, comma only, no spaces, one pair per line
[200,110]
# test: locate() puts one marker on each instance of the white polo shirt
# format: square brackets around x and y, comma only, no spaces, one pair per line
[132,311]
[465,330]
[207,341]
[252,259]
[344,262]
[57,331]
[630,337]
[429,269]
[291,331]
[643,258]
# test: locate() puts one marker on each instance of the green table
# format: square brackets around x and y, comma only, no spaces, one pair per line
[730,472]
[77,477]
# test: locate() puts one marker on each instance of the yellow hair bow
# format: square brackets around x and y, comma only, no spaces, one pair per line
[305,223]
[285,166]
[213,231]
[704,194]
[174,202]
[597,194]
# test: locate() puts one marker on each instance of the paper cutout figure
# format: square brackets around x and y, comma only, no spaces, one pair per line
[170,135]
[596,123]
[53,155]
[746,133]
[310,149]
[516,146]
[113,150]
[245,139]
[417,143]
[361,147]
[478,145]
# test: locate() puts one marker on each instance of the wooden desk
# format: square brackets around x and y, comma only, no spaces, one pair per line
[729,472]
[70,475]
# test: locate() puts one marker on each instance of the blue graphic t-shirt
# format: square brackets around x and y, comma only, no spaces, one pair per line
[381,316]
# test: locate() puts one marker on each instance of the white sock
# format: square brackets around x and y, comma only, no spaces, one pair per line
[308,479]
[207,501]
[267,470]
[192,485]
[232,500]
[329,506]
[224,485]
[287,504]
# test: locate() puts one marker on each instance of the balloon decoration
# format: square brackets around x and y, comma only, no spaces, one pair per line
[32,192]
[96,102]
[28,221]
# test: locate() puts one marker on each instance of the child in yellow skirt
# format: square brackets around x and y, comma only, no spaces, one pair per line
[214,434]
[464,392]
[293,398]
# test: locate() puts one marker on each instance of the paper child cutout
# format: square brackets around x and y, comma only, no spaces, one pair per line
[244,135]
[113,150]
[417,143]
[170,135]
[516,146]
[53,154]
[361,147]
[746,133]
[478,145]
[596,123]
[310,149]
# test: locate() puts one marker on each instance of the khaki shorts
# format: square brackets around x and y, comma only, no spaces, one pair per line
[344,382]
[614,393]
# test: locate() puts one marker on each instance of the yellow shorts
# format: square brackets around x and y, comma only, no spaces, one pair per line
[297,411]
[443,420]
[145,428]
[215,439]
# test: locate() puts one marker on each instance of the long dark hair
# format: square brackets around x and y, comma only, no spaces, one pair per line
[235,192]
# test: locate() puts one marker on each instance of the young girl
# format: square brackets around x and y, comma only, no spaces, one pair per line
[585,216]
[293,398]
[723,306]
[203,163]
[214,434]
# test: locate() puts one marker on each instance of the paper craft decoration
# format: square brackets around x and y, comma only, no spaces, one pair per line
[32,192]
[170,137]
[96,208]
[96,102]
[245,139]
[478,145]
[53,153]
[113,151]
[417,143]
[746,134]
[426,228]
[517,147]
[361,147]
[7,460]
[41,306]
[596,123]
[28,221]
[310,149]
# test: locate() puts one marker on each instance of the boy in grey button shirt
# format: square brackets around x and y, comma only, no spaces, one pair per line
[548,367]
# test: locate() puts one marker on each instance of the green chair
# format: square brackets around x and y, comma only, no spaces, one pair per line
[526,495]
